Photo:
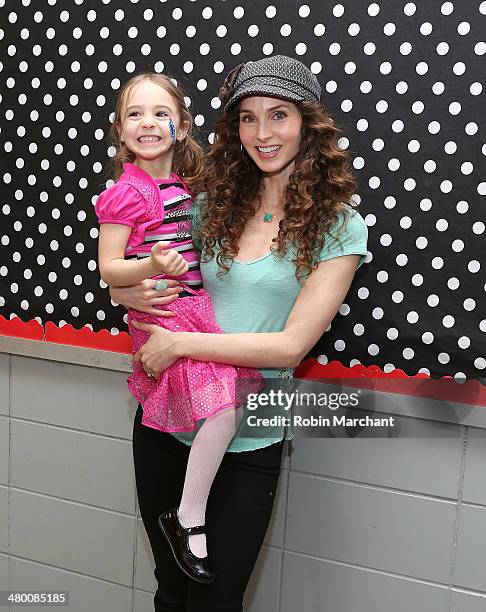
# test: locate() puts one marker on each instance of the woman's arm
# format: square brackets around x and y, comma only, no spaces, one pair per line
[315,308]
[115,270]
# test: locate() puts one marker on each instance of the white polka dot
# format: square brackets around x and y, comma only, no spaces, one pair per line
[478,227]
[463,28]
[464,342]
[442,48]
[385,68]
[339,345]
[457,245]
[453,283]
[409,184]
[366,87]
[448,321]
[239,11]
[334,48]
[300,48]
[373,349]
[377,313]
[480,363]
[405,48]
[433,300]
[471,128]
[319,29]
[392,333]
[401,259]
[422,68]
[413,146]
[408,353]
[358,329]
[304,11]
[447,8]
[338,10]
[267,49]
[344,309]
[373,9]
[427,337]
[401,87]
[286,29]
[363,293]
[469,304]
[412,317]
[474,266]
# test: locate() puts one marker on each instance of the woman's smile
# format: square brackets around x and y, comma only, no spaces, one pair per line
[269,151]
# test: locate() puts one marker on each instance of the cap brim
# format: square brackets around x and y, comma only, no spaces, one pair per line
[272,91]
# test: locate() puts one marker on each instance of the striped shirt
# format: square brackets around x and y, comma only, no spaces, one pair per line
[164,215]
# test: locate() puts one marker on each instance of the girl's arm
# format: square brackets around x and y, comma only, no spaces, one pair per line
[115,270]
[145,298]
[315,308]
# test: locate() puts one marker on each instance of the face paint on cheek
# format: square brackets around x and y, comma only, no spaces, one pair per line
[172,130]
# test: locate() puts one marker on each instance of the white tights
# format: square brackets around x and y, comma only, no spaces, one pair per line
[207,452]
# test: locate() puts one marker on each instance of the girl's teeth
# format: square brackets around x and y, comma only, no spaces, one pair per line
[268,149]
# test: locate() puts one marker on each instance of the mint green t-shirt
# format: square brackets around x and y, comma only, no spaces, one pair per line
[257,296]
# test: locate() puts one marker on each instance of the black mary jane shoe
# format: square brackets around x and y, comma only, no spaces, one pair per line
[178,538]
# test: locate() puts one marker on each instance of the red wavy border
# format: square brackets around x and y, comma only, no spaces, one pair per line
[446,388]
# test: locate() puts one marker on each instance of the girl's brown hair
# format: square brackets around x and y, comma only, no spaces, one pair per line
[319,185]
[188,154]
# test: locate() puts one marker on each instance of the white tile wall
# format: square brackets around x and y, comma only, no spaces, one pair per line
[65,534]
[83,467]
[351,540]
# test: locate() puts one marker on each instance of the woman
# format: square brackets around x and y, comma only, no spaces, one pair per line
[279,249]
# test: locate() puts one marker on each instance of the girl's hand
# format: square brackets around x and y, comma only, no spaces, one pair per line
[167,261]
[158,353]
[145,298]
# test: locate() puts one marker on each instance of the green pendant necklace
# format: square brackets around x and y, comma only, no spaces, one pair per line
[267,217]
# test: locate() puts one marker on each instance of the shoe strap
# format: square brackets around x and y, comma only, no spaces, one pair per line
[194,530]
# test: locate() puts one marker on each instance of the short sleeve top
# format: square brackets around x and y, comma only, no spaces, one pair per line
[258,295]
[155,209]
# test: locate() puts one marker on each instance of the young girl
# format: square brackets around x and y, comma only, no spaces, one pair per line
[145,232]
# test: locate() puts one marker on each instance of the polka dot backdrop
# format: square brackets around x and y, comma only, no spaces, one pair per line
[404,80]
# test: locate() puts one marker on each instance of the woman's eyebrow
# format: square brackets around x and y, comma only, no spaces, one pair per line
[272,108]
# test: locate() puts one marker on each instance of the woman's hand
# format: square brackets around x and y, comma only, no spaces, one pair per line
[144,297]
[159,352]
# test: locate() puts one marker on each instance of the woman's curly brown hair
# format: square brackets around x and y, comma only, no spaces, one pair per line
[319,185]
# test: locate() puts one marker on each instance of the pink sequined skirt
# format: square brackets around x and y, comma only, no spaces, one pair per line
[188,390]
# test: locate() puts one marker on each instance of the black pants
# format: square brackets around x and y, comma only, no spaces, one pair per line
[237,516]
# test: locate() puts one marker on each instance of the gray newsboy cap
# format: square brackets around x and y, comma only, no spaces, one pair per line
[278,76]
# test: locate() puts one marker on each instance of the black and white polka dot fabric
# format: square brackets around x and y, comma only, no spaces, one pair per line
[405,80]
